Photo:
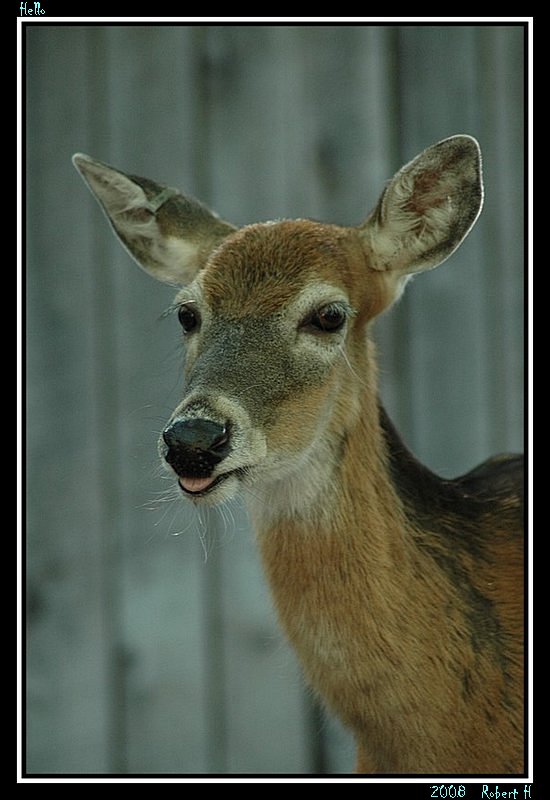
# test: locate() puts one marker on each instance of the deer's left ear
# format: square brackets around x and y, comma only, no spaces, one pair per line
[427,209]
[168,234]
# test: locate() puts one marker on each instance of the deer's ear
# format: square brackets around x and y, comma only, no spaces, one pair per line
[168,234]
[427,209]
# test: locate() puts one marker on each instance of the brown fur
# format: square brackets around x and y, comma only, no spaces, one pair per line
[412,635]
[402,593]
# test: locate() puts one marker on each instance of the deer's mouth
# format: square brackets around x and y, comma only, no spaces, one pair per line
[197,487]
[200,487]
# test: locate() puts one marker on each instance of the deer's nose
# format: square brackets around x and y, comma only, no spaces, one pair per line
[196,446]
[202,436]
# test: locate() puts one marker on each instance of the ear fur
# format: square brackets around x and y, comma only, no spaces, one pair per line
[168,234]
[427,209]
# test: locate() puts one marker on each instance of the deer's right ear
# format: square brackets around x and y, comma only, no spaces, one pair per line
[168,234]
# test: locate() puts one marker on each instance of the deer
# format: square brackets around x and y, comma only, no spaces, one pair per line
[401,592]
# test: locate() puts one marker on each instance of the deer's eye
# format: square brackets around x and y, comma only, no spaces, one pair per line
[188,318]
[327,319]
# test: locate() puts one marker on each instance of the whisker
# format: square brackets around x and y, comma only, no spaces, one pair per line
[353,372]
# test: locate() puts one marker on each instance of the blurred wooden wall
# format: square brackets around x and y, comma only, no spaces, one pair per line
[152,646]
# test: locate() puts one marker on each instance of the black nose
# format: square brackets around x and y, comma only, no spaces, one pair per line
[195,446]
[200,434]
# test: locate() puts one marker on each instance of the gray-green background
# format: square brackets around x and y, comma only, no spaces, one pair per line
[143,657]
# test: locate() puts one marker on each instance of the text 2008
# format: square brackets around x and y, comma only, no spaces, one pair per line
[448,790]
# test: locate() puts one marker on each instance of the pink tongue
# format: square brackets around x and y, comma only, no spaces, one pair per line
[196,484]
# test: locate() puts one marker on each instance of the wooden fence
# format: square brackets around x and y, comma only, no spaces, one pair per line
[152,647]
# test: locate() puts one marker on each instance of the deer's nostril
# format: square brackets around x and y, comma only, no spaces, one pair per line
[221,441]
[197,434]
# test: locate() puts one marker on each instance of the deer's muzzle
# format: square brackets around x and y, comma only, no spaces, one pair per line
[195,448]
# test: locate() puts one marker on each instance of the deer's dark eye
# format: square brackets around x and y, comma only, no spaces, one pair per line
[328,319]
[188,318]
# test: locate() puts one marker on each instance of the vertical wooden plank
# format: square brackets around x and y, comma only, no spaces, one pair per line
[346,118]
[151,131]
[500,60]
[445,381]
[67,704]
[453,311]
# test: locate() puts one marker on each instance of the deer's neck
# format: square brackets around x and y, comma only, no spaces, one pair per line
[342,574]
[347,515]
